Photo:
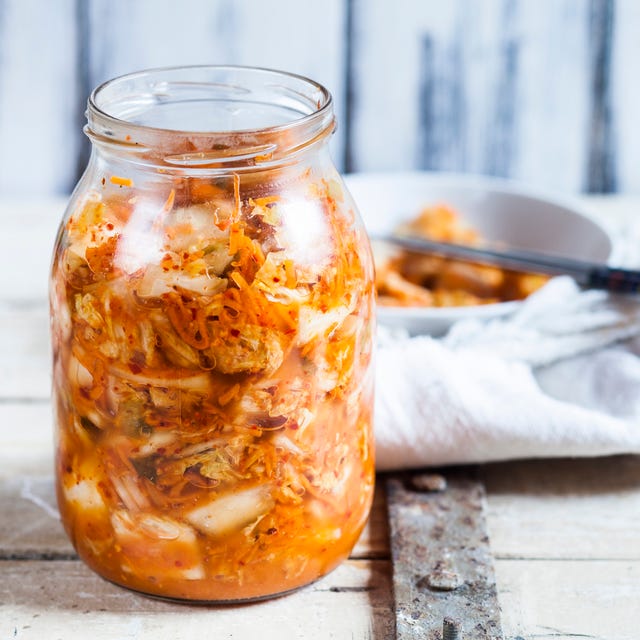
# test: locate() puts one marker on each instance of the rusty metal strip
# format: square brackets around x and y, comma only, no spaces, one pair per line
[443,575]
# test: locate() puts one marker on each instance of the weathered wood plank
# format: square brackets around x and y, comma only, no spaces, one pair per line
[458,85]
[582,509]
[564,600]
[37,97]
[543,599]
[125,36]
[374,540]
[539,598]
[625,94]
[30,527]
[565,509]
[63,599]
[601,176]
[25,365]
[469,88]
[26,444]
[43,88]
[27,235]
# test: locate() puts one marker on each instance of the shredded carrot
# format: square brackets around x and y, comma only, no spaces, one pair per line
[189,323]
[122,182]
[290,272]
[236,196]
[263,202]
[160,221]
[236,276]
[168,204]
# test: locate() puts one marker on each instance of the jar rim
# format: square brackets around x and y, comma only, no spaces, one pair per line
[126,111]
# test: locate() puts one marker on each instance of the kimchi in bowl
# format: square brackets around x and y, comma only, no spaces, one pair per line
[496,211]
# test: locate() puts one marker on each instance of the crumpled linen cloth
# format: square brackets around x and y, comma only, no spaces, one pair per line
[561,377]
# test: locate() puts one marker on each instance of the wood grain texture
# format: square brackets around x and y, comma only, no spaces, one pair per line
[27,439]
[30,528]
[37,97]
[36,602]
[542,516]
[565,600]
[123,36]
[27,234]
[625,95]
[25,361]
[541,92]
[565,509]
[601,170]
[470,88]
[374,540]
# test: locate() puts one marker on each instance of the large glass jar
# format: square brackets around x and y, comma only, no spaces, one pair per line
[212,323]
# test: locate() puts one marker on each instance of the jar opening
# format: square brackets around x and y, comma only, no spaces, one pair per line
[196,116]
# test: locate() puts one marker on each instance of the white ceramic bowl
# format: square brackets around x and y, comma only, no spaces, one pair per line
[500,210]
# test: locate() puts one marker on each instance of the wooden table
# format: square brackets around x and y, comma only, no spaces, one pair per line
[565,534]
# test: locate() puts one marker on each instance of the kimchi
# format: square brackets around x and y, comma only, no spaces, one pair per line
[212,347]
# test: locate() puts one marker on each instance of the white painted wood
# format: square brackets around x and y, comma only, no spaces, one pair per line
[546,141]
[387,71]
[281,34]
[374,540]
[349,604]
[559,509]
[26,437]
[25,363]
[28,228]
[626,94]
[511,81]
[37,97]
[564,600]
[30,527]
[541,597]
[553,94]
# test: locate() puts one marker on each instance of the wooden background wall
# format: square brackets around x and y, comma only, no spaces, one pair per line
[545,91]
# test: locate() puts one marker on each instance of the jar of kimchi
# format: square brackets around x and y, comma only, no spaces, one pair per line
[212,322]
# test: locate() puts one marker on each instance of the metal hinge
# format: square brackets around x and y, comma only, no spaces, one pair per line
[443,577]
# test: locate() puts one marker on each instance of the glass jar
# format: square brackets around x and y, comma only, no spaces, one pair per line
[212,323]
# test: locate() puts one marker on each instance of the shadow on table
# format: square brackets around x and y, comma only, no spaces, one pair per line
[563,476]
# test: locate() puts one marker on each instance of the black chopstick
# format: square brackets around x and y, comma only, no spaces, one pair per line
[590,275]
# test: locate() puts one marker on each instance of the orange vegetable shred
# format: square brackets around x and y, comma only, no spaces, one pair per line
[122,182]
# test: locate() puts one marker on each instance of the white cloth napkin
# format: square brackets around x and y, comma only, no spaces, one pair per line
[561,377]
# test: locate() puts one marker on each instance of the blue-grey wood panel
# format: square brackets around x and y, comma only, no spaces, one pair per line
[541,91]
[120,36]
[625,94]
[517,88]
[53,53]
[38,93]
